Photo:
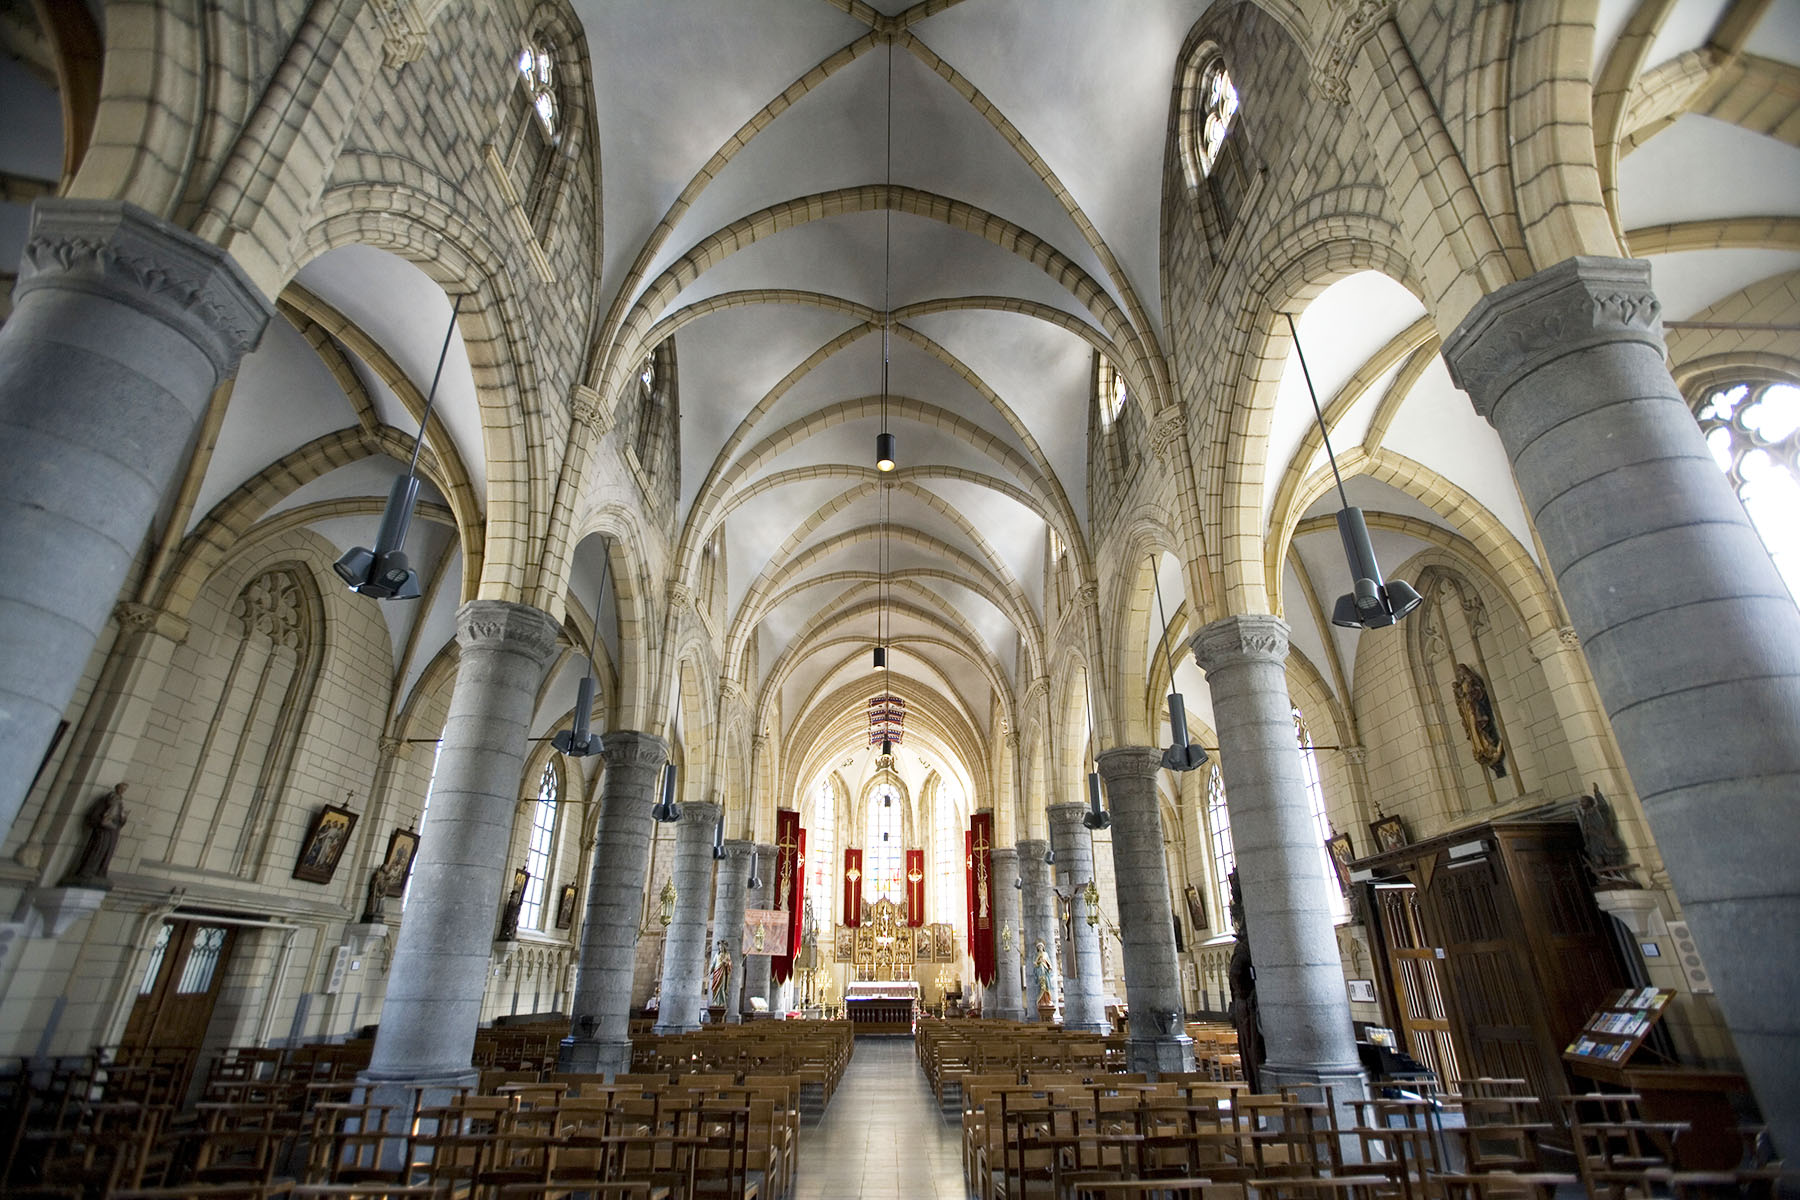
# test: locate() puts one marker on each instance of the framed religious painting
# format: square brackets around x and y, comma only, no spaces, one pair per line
[1390,834]
[1196,908]
[1338,847]
[403,844]
[324,844]
[565,907]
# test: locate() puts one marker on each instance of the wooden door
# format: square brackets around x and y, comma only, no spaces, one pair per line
[1416,969]
[180,986]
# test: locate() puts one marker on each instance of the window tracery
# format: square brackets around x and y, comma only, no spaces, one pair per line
[1218,104]
[532,147]
[1224,856]
[1753,431]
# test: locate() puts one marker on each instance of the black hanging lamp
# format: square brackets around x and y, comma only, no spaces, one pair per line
[719,837]
[1182,755]
[666,810]
[1095,817]
[885,454]
[1370,603]
[578,740]
[383,572]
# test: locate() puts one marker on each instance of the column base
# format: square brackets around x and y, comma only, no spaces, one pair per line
[1346,1083]
[1101,1027]
[1010,1014]
[1161,1055]
[581,1056]
[407,1092]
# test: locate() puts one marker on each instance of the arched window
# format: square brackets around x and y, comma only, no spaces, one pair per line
[947,822]
[655,443]
[1110,391]
[1224,858]
[882,860]
[1753,431]
[1218,105]
[536,131]
[437,754]
[1315,802]
[823,862]
[537,850]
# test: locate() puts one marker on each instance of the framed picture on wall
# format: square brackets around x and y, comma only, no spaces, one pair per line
[565,907]
[402,845]
[1341,854]
[1196,908]
[1390,834]
[324,844]
[1362,991]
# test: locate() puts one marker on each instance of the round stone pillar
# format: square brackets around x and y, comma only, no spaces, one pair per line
[1037,916]
[1692,636]
[1084,1004]
[1159,1040]
[442,955]
[684,949]
[1008,992]
[122,326]
[599,1040]
[728,920]
[756,966]
[1299,977]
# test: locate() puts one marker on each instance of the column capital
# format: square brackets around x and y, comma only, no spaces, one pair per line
[120,252]
[1245,638]
[1066,814]
[1033,848]
[629,748]
[1352,23]
[1004,853]
[503,625]
[391,747]
[700,812]
[1168,435]
[1580,302]
[588,410]
[1554,641]
[1129,762]
[147,618]
[738,849]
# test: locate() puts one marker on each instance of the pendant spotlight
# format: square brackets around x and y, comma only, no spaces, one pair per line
[719,838]
[383,572]
[1182,755]
[884,452]
[1370,603]
[755,880]
[578,740]
[880,657]
[666,810]
[1095,817]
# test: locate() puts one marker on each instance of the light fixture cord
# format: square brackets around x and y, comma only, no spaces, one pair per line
[1323,433]
[887,241]
[419,442]
[599,599]
[1156,579]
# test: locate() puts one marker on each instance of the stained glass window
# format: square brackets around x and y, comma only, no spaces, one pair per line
[537,75]
[1753,431]
[1218,106]
[537,850]
[1218,824]
[1315,802]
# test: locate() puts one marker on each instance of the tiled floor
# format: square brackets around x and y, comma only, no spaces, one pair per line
[882,1135]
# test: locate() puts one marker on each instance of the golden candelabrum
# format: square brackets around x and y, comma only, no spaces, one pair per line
[666,903]
[1091,895]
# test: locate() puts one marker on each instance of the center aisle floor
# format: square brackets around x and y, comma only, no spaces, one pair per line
[882,1135]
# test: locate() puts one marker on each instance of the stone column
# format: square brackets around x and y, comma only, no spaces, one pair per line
[684,948]
[728,919]
[1037,916]
[122,326]
[1692,636]
[1084,1000]
[599,1039]
[441,959]
[1299,975]
[1159,1040]
[756,966]
[1008,1002]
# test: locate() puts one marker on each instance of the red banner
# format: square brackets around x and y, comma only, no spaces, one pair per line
[981,870]
[915,888]
[853,878]
[969,887]
[790,887]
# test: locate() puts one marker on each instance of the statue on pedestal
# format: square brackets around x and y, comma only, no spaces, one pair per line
[105,817]
[1242,976]
[381,881]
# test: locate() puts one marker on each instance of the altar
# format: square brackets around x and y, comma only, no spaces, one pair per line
[887,1007]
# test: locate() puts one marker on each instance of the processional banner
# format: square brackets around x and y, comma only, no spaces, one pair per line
[981,870]
[915,888]
[790,887]
[853,878]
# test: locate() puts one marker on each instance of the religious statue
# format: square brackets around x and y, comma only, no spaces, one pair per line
[1478,720]
[1601,846]
[1065,916]
[1242,976]
[375,904]
[721,974]
[105,817]
[515,900]
[1041,972]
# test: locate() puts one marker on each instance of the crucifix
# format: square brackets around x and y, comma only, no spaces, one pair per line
[981,877]
[784,878]
[1065,916]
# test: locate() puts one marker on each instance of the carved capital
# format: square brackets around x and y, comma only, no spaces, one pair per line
[123,254]
[1168,435]
[680,596]
[145,618]
[501,625]
[403,31]
[588,409]
[1578,303]
[1246,638]
[1353,22]
[1012,740]
[391,747]
[737,851]
[731,691]
[1128,762]
[629,748]
[701,812]
[1356,756]
[1039,690]
[1068,816]
[1088,595]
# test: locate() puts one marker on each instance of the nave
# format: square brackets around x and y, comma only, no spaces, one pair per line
[882,1136]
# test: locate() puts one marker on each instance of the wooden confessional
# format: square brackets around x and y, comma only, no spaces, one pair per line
[1490,951]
